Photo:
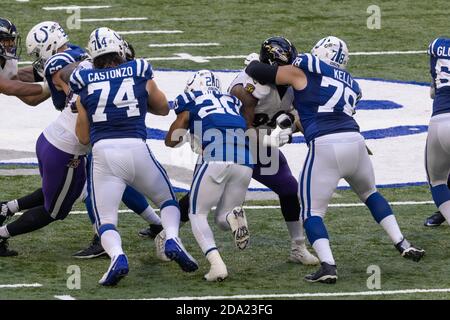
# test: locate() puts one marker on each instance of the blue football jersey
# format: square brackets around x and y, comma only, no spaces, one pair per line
[56,63]
[328,102]
[115,99]
[216,117]
[439,51]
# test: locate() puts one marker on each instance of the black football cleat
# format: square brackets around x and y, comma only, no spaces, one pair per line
[435,220]
[151,231]
[5,251]
[408,251]
[94,250]
[326,274]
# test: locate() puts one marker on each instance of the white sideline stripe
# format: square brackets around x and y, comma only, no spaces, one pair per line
[199,57]
[20,285]
[74,7]
[65,297]
[149,31]
[113,19]
[310,295]
[344,205]
[188,44]
[380,53]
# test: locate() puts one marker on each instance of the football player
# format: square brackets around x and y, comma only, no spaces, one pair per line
[265,107]
[55,59]
[114,98]
[31,94]
[437,148]
[60,155]
[223,176]
[325,98]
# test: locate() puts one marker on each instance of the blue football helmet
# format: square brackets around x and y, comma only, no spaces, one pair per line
[277,51]
[9,40]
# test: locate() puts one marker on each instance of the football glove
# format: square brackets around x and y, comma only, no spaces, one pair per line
[278,138]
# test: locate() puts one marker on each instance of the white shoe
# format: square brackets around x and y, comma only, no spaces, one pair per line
[300,254]
[160,241]
[238,224]
[218,270]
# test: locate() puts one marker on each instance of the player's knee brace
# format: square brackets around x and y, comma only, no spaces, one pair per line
[440,193]
[315,229]
[378,206]
[290,207]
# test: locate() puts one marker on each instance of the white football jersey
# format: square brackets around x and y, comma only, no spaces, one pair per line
[61,132]
[10,69]
[270,105]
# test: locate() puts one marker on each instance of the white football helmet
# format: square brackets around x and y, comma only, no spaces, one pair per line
[104,40]
[203,80]
[333,51]
[43,41]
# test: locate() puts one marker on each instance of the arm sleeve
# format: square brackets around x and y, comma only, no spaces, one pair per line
[261,72]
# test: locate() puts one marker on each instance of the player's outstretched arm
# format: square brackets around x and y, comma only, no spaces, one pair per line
[18,88]
[157,101]
[178,130]
[282,75]
[82,126]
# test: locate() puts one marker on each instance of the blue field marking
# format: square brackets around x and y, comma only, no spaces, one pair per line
[392,132]
[377,105]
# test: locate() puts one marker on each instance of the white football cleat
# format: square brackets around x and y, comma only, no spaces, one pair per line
[218,270]
[300,254]
[238,224]
[160,241]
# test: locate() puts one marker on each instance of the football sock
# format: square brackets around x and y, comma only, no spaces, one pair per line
[202,231]
[441,197]
[170,219]
[323,250]
[111,242]
[150,216]
[295,229]
[318,236]
[378,206]
[391,227]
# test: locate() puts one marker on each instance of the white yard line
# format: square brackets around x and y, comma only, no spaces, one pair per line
[381,53]
[75,7]
[149,31]
[311,295]
[341,205]
[65,297]
[113,19]
[20,285]
[186,44]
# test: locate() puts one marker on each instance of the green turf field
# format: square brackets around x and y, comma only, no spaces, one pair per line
[239,27]
[262,268]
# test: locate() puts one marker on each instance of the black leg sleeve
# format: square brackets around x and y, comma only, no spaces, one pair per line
[29,221]
[32,200]
[184,208]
